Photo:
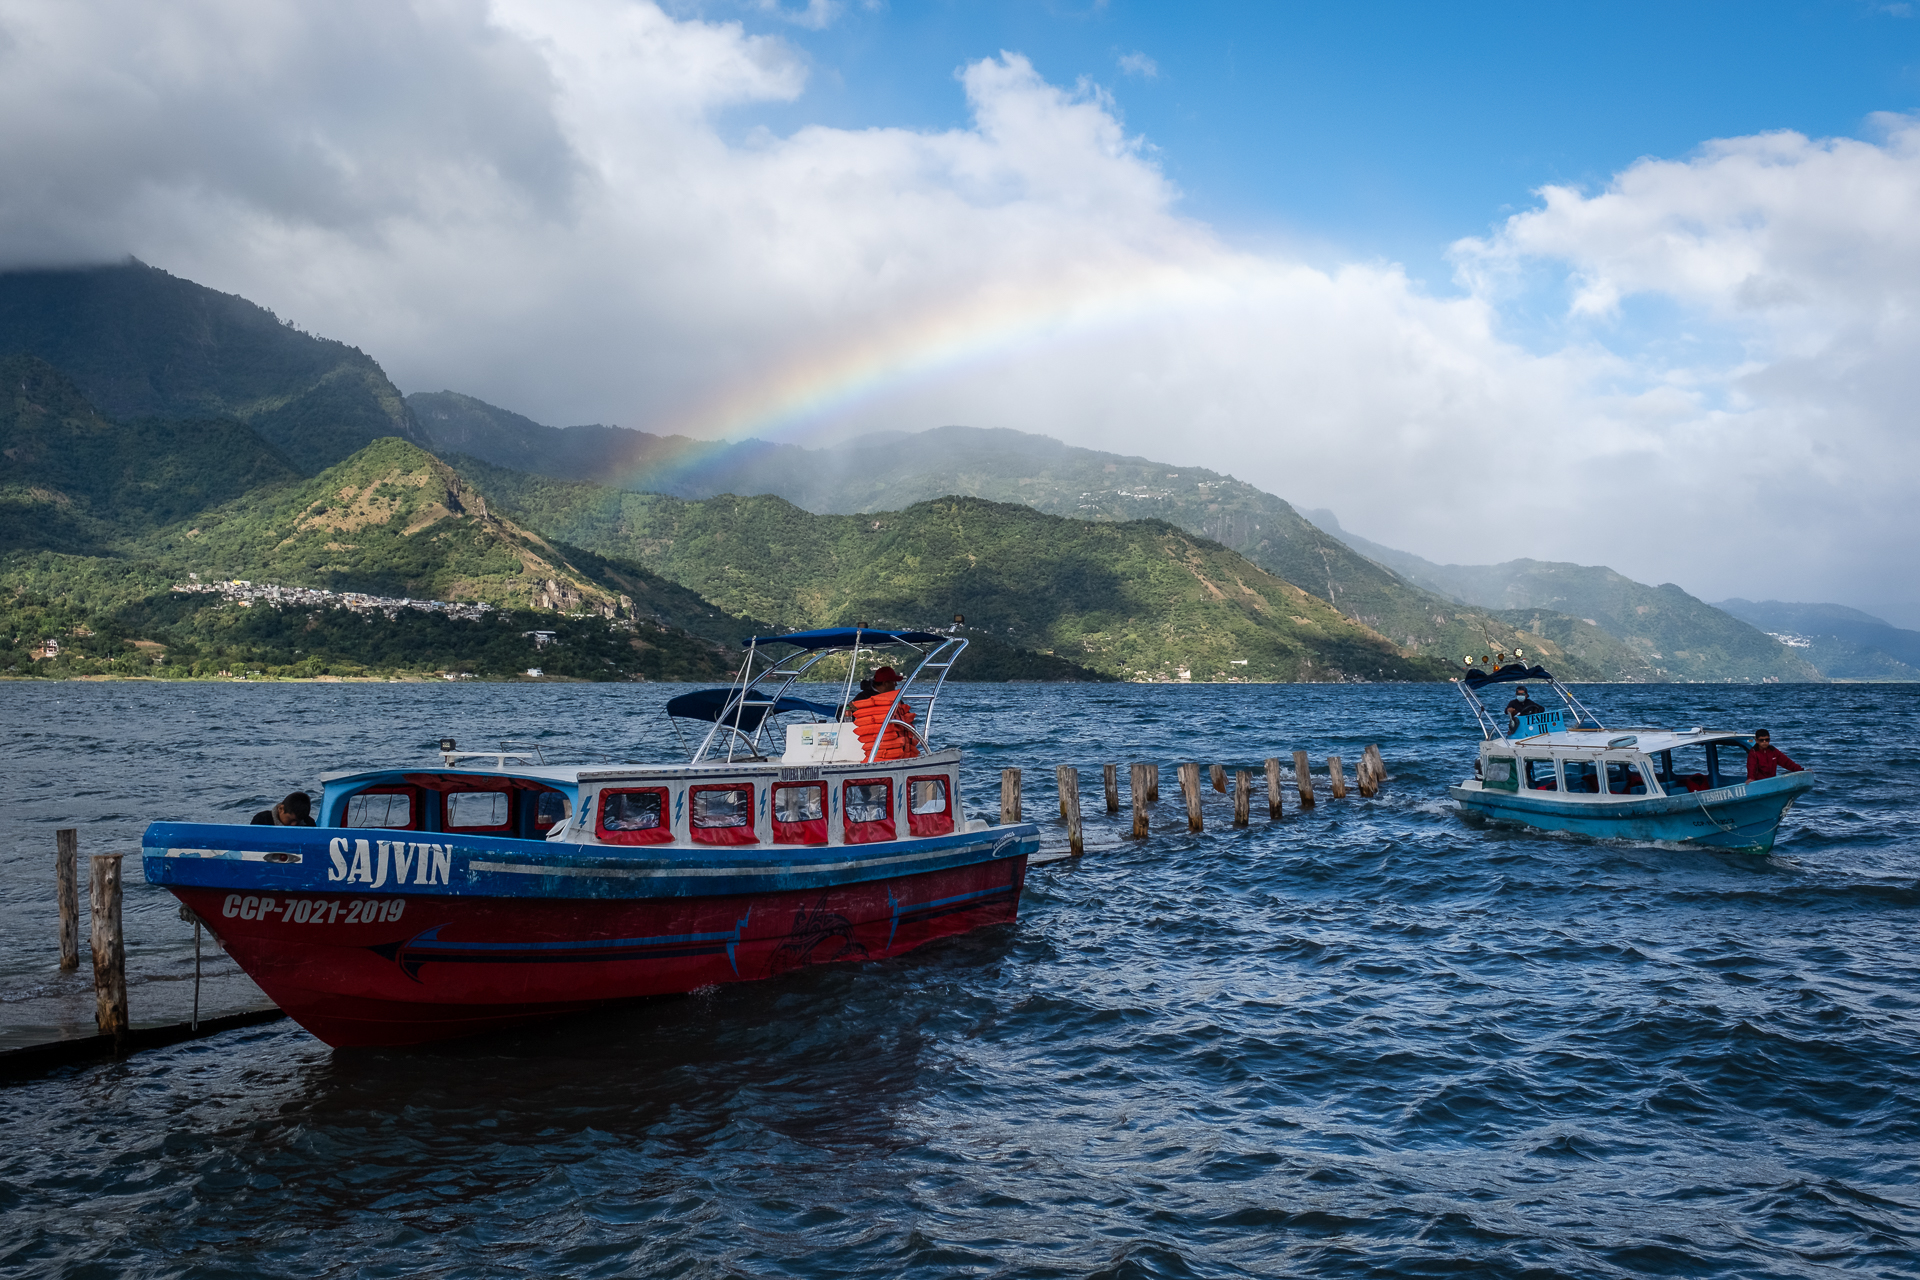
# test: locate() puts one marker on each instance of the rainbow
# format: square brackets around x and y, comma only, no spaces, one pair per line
[804,395]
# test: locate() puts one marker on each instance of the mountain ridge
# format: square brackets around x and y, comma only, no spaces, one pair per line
[141,343]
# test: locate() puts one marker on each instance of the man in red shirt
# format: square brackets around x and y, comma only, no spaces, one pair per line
[1765,759]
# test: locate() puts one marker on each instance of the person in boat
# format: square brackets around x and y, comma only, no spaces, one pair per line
[866,691]
[1765,759]
[295,811]
[1521,705]
[870,713]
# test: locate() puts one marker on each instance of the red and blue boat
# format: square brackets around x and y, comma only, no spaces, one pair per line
[483,890]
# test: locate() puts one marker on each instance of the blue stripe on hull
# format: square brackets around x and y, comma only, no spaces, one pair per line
[309,860]
[1745,817]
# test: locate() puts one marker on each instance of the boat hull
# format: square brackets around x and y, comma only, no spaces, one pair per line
[412,963]
[1742,818]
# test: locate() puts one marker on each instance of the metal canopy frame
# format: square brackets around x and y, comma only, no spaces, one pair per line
[1490,725]
[767,686]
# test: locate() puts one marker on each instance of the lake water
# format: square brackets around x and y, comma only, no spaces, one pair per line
[1370,1040]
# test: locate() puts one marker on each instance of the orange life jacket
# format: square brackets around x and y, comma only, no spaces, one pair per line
[868,715]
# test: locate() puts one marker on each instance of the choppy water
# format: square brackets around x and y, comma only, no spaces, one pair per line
[1368,1041]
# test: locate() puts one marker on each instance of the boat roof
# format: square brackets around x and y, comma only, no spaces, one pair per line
[1645,741]
[1512,673]
[711,704]
[569,775]
[845,638]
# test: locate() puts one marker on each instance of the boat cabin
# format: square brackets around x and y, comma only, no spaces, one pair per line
[826,784]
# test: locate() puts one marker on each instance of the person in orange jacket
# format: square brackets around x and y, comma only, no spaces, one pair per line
[869,713]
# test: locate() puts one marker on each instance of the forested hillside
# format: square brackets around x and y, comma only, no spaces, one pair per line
[888,472]
[140,343]
[1138,599]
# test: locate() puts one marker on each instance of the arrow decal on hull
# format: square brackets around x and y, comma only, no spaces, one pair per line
[427,947]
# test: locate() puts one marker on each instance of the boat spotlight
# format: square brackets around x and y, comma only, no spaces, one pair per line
[448,744]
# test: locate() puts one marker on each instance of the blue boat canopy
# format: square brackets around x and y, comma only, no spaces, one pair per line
[845,638]
[1512,673]
[711,704]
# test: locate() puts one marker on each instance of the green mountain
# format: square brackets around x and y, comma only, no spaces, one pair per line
[1842,643]
[1134,599]
[75,481]
[452,423]
[99,519]
[140,343]
[1676,635]
[892,471]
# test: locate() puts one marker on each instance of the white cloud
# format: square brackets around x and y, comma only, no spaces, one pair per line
[1139,64]
[550,205]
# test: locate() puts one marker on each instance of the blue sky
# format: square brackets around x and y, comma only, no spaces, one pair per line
[1384,129]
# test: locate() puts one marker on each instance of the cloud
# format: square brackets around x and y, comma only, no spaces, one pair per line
[1139,64]
[817,15]
[556,206]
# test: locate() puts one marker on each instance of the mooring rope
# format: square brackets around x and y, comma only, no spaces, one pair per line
[1710,818]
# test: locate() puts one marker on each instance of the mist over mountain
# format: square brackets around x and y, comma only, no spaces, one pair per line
[893,471]
[1677,635]
[1845,644]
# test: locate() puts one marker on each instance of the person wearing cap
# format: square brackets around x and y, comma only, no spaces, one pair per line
[295,811]
[1522,705]
[870,713]
[1765,759]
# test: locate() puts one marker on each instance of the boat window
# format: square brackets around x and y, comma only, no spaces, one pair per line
[722,806]
[475,810]
[868,801]
[380,809]
[1583,776]
[634,815]
[804,803]
[1685,768]
[722,814]
[929,795]
[551,808]
[868,807]
[1729,763]
[1502,774]
[1540,775]
[929,807]
[1623,779]
[800,813]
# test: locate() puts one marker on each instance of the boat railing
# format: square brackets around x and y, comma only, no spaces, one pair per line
[1583,719]
[755,697]
[949,649]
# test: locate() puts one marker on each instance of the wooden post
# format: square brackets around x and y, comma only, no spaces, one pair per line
[109,951]
[1242,796]
[1219,772]
[1273,787]
[1190,788]
[1337,771]
[1068,779]
[1376,770]
[66,851]
[1137,780]
[1303,779]
[1153,784]
[1009,796]
[1111,776]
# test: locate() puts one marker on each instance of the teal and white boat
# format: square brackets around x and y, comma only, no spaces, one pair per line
[1562,770]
